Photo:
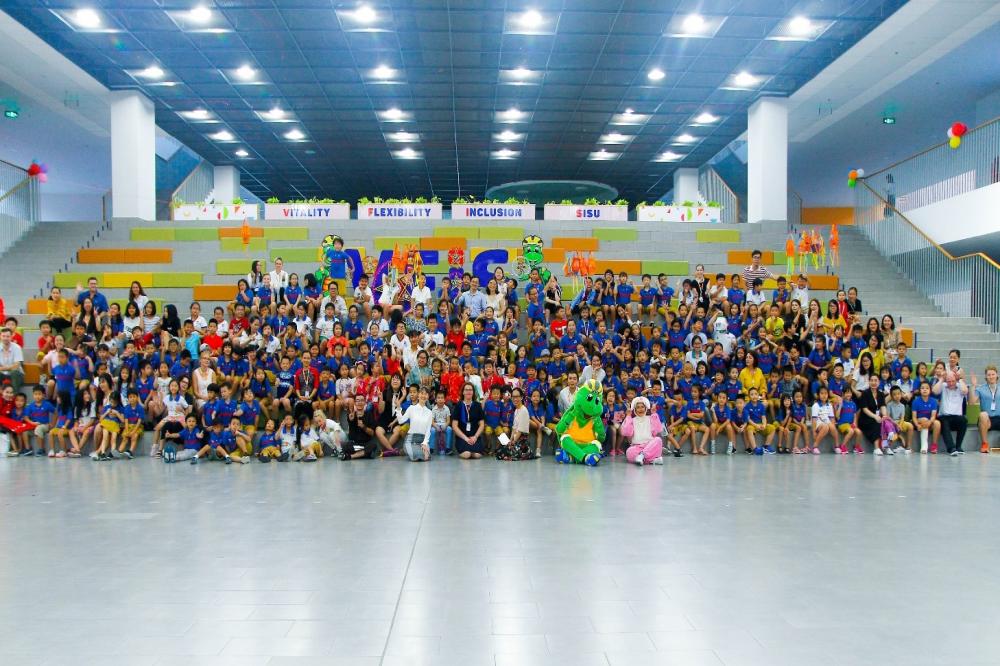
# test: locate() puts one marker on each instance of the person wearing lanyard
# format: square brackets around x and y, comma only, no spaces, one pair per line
[468,422]
[989,407]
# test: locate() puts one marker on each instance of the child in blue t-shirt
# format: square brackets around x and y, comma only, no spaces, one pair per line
[647,297]
[38,414]
[847,424]
[925,421]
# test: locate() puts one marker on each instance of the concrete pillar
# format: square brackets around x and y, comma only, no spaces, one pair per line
[133,155]
[767,160]
[227,184]
[686,185]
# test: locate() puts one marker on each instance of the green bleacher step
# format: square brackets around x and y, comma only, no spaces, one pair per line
[152,234]
[717,235]
[655,266]
[616,234]
[295,255]
[196,234]
[286,233]
[236,245]
[233,266]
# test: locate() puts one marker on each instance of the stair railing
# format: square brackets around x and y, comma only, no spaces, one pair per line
[794,210]
[19,207]
[963,286]
[713,188]
[940,172]
[198,184]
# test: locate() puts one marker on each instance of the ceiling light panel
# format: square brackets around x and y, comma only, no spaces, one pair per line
[695,26]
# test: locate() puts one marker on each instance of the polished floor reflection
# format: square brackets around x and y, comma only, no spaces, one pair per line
[721,561]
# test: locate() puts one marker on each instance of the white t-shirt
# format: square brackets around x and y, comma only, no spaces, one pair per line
[200,324]
[419,417]
[418,295]
[278,281]
[175,408]
[822,413]
[801,295]
[522,420]
[437,337]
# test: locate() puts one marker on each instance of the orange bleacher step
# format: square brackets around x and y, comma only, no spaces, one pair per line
[237,232]
[214,292]
[121,255]
[576,243]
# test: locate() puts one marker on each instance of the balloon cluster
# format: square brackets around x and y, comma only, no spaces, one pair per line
[955,134]
[39,171]
[852,177]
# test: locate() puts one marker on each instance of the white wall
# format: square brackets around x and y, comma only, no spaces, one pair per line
[70,207]
[965,216]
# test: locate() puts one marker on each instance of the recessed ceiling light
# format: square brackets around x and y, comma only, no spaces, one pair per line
[705,118]
[383,72]
[277,113]
[152,72]
[197,114]
[393,113]
[800,25]
[86,18]
[222,135]
[615,137]
[685,138]
[531,19]
[521,73]
[294,135]
[693,23]
[655,74]
[505,153]
[241,153]
[365,14]
[407,153]
[246,72]
[507,135]
[668,156]
[629,111]
[200,14]
[404,136]
[512,113]
[745,79]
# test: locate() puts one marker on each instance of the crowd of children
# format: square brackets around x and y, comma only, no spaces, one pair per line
[288,372]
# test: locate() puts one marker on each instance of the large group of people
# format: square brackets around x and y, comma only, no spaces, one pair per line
[288,371]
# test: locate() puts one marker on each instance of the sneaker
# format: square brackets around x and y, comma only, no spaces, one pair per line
[591,459]
[93,456]
[934,448]
[157,454]
[985,448]
[562,456]
[953,454]
[310,458]
[837,450]
[658,461]
[878,451]
[298,455]
[229,461]
[52,453]
[640,459]
[678,454]
[246,460]
[906,452]
[194,461]
[12,454]
[61,454]
[115,453]
[128,455]
[769,450]
[27,453]
[72,454]
[960,452]
[730,449]
[758,451]
[547,430]
[888,451]
[858,450]
[815,450]
[40,453]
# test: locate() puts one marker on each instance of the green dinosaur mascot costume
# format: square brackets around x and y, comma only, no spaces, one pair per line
[580,429]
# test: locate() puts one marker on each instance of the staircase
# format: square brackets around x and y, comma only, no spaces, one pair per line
[883,289]
[49,247]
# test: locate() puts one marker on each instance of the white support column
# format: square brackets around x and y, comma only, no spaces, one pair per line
[227,184]
[133,155]
[767,160]
[686,185]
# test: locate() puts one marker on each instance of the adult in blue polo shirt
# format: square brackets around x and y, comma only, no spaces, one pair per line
[988,399]
[96,297]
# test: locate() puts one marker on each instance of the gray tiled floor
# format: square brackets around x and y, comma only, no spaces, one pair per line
[722,561]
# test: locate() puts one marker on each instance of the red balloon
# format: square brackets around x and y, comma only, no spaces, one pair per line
[959,129]
[34,169]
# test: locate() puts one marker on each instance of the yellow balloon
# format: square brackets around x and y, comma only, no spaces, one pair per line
[955,141]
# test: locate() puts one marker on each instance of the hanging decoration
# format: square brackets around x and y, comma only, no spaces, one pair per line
[955,134]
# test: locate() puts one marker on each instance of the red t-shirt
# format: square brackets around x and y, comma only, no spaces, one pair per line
[456,338]
[452,383]
[237,325]
[214,342]
[558,327]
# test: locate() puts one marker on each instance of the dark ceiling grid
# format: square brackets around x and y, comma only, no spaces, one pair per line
[590,62]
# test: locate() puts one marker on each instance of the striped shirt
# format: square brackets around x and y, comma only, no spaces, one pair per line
[750,274]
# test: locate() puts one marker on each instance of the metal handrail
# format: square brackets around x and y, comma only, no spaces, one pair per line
[714,188]
[962,286]
[19,204]
[200,182]
[939,172]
